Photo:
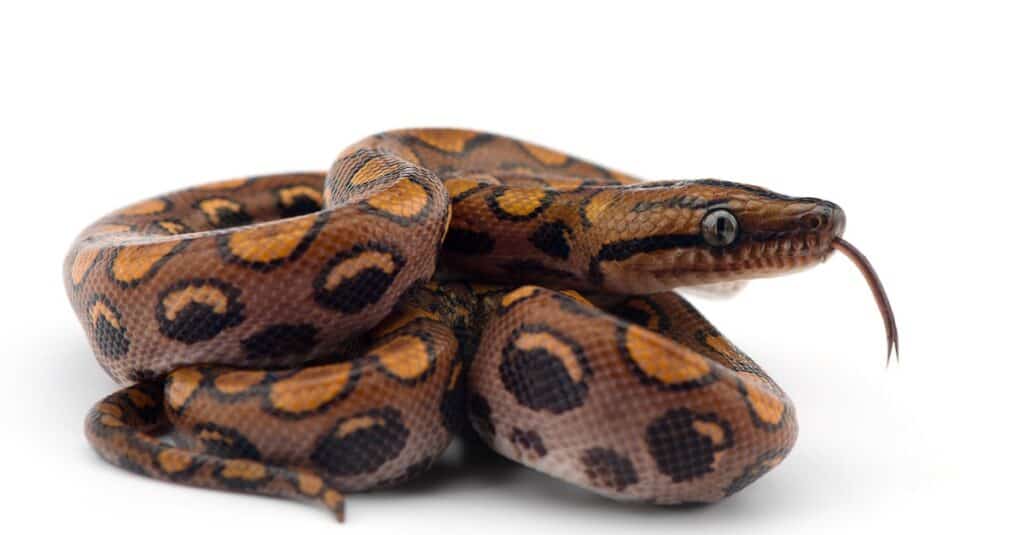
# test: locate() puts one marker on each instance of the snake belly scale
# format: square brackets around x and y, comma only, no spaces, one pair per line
[313,334]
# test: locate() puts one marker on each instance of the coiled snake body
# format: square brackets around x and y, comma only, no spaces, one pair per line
[288,334]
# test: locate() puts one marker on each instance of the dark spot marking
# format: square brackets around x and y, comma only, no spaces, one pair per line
[295,201]
[365,288]
[468,242]
[552,239]
[679,449]
[607,468]
[199,319]
[138,376]
[280,341]
[224,213]
[300,205]
[362,443]
[225,442]
[528,442]
[357,293]
[231,218]
[112,340]
[642,311]
[540,379]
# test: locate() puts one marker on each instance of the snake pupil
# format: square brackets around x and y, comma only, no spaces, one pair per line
[719,228]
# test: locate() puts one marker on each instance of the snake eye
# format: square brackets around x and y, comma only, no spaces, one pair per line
[719,228]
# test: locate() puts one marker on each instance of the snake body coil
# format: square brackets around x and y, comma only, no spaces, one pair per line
[290,336]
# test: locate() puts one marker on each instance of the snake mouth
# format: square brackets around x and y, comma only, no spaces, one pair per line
[881,299]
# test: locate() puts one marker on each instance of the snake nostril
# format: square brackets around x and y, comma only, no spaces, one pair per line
[826,218]
[812,221]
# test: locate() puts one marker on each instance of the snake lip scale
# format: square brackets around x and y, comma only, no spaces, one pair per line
[308,335]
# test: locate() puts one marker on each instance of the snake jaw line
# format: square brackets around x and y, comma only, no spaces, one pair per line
[881,299]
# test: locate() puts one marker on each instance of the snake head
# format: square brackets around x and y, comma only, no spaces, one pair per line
[749,232]
[712,231]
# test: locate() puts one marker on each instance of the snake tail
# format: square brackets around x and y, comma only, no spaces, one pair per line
[124,428]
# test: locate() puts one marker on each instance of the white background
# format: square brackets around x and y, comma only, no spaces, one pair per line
[909,115]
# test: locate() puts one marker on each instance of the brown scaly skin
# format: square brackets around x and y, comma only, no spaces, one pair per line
[300,354]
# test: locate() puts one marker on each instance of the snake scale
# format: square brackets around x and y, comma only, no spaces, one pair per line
[313,334]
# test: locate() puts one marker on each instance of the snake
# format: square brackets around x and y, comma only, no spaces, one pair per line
[310,335]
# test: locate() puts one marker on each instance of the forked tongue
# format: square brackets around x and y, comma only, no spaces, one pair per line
[881,299]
